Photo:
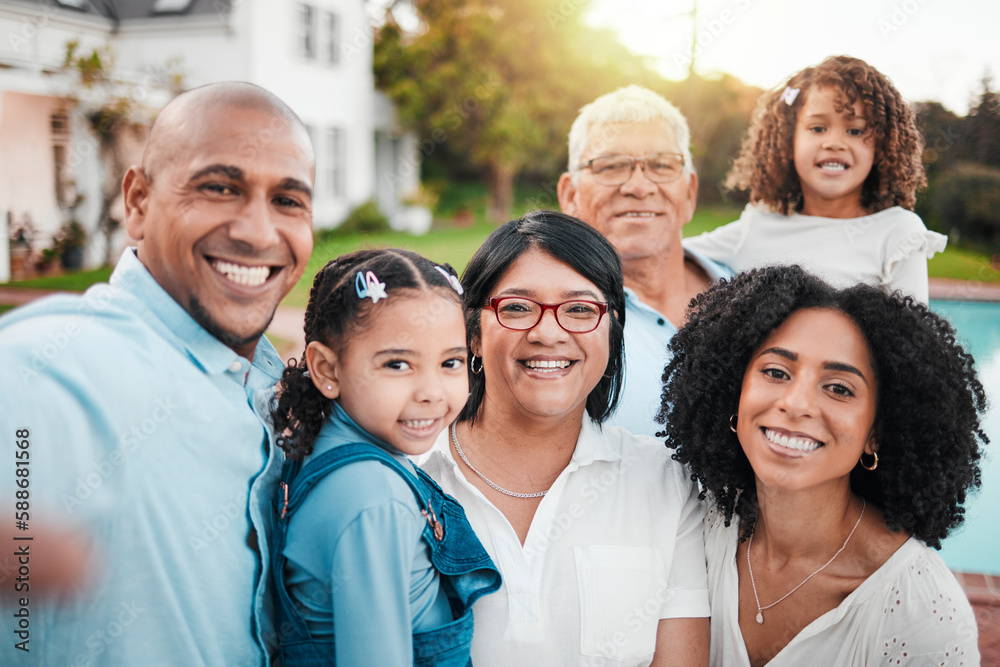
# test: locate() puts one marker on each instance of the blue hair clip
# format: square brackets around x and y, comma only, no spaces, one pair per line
[368,286]
[451,279]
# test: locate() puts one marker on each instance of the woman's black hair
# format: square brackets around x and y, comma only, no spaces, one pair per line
[334,314]
[928,397]
[571,241]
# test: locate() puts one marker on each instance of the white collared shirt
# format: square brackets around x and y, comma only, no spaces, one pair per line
[615,546]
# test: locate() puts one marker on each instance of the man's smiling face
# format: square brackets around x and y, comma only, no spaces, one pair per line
[640,218]
[223,214]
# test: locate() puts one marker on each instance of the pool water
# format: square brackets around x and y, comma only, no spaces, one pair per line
[975,546]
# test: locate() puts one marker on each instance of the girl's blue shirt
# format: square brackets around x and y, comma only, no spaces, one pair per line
[357,567]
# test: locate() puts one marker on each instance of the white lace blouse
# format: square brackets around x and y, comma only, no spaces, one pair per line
[911,611]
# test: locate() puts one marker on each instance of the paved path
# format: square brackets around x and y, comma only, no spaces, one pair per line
[286,332]
[984,594]
[963,290]
[16,296]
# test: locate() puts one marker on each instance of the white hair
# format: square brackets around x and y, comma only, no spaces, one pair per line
[631,104]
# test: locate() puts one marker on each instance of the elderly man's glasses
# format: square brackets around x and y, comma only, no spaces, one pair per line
[520,314]
[616,169]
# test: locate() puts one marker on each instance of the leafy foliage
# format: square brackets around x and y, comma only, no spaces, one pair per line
[364,218]
[718,111]
[967,199]
[980,140]
[962,159]
[499,82]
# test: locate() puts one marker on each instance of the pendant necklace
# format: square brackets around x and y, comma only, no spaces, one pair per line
[458,448]
[760,610]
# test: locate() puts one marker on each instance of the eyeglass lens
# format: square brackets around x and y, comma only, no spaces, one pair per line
[616,169]
[574,316]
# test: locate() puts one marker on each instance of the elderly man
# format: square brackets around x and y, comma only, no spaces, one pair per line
[631,177]
[136,413]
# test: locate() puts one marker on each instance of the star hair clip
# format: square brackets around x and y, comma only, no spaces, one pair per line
[453,280]
[789,94]
[368,286]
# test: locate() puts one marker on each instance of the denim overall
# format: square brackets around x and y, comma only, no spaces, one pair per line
[466,570]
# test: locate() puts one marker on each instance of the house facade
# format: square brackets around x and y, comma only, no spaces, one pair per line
[316,55]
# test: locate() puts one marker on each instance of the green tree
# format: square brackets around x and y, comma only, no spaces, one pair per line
[500,81]
[942,131]
[718,111]
[981,128]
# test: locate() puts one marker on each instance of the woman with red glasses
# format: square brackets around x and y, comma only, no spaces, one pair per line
[597,532]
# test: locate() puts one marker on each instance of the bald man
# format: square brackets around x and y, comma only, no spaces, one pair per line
[135,414]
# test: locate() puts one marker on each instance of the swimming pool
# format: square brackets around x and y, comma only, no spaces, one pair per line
[975,546]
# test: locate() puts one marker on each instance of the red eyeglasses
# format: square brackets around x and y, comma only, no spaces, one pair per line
[520,314]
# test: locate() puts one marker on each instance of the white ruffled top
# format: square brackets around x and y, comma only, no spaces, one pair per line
[888,249]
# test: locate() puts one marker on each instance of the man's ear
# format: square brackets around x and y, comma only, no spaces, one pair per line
[692,197]
[566,191]
[323,369]
[135,192]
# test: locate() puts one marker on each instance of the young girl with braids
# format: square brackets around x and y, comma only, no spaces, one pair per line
[373,563]
[832,165]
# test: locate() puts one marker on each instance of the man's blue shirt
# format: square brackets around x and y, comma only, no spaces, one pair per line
[647,334]
[148,435]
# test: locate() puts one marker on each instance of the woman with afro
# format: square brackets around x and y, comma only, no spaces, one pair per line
[835,433]
[832,165]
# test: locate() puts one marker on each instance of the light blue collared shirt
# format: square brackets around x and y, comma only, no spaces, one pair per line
[647,334]
[147,434]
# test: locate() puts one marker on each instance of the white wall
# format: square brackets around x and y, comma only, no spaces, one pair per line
[204,49]
[35,36]
[27,172]
[324,95]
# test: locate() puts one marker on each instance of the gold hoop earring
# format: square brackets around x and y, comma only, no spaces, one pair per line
[732,422]
[861,461]
[472,365]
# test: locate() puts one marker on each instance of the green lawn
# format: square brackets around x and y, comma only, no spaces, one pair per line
[708,217]
[963,264]
[72,282]
[454,246]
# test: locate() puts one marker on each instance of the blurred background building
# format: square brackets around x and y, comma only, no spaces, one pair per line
[81,80]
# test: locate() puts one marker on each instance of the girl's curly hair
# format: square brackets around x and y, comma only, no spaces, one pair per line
[334,315]
[765,164]
[928,397]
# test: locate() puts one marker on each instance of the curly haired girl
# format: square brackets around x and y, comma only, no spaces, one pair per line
[832,166]
[373,564]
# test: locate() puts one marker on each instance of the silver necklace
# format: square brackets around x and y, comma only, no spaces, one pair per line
[458,448]
[760,610]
